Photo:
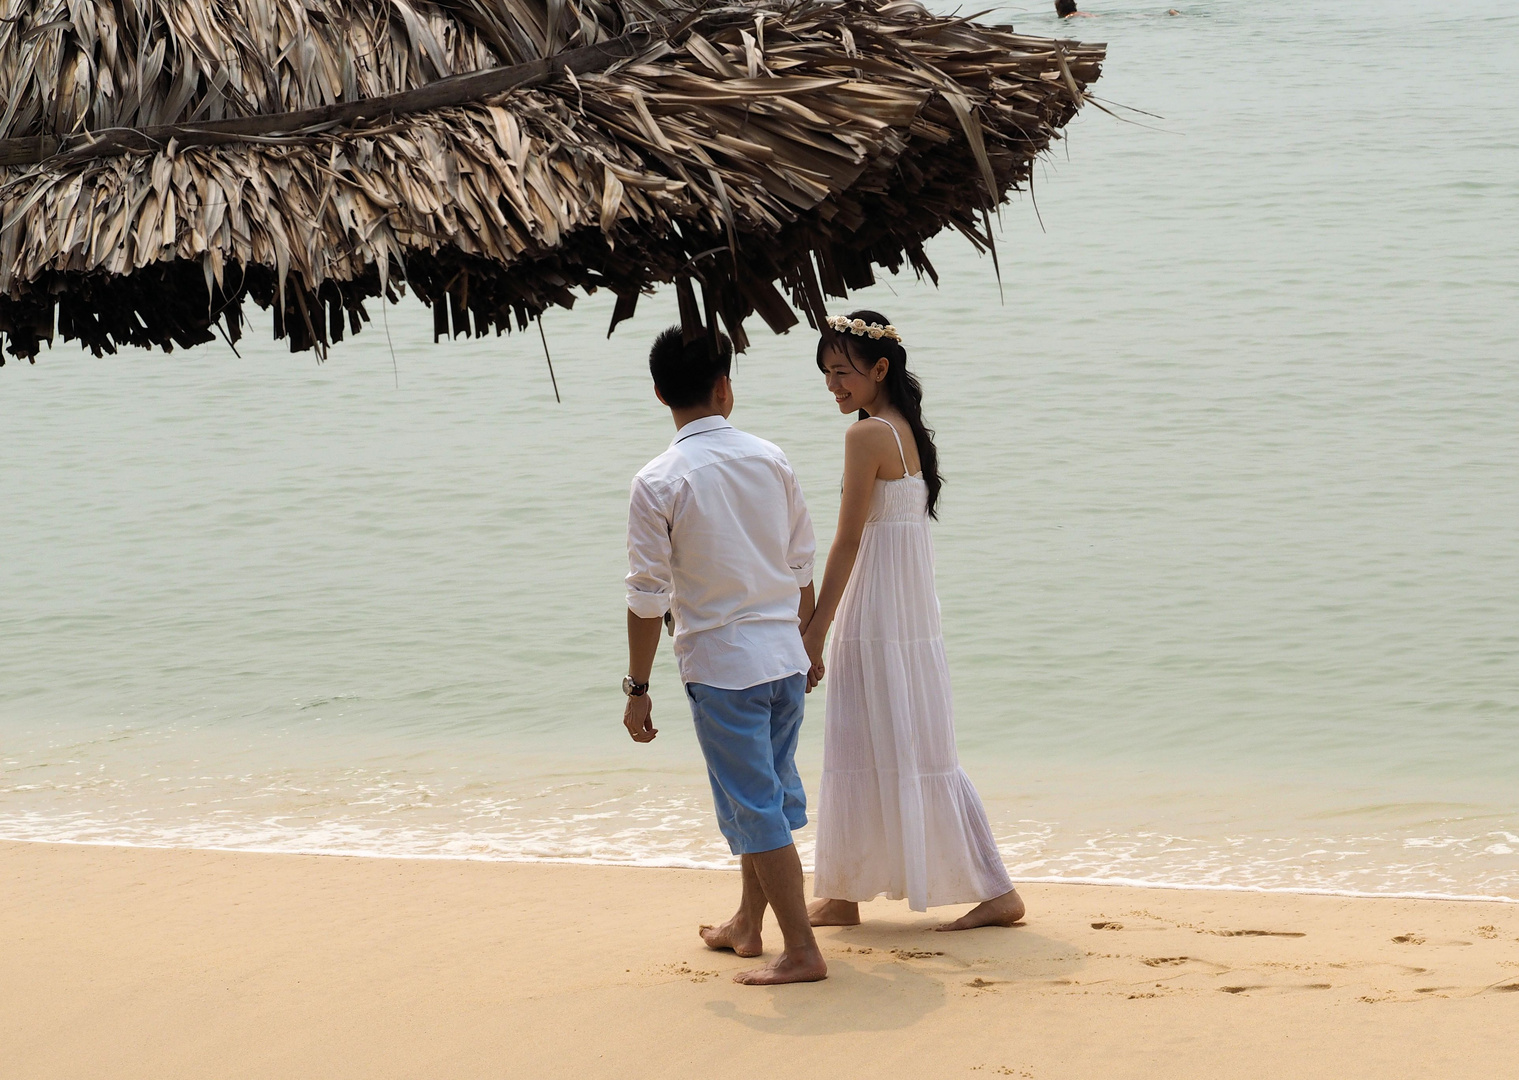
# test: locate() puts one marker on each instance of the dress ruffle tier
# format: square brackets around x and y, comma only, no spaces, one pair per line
[897,815]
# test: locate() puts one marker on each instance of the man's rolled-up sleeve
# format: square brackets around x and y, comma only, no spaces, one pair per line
[801,551]
[648,554]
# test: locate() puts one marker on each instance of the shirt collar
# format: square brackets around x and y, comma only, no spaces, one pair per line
[703,424]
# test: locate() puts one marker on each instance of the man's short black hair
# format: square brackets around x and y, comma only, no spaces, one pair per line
[685,373]
[1065,7]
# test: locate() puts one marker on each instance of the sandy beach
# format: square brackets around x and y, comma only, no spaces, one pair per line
[129,962]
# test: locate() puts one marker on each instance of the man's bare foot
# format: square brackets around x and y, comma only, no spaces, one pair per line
[1004,910]
[833,913]
[742,939]
[807,967]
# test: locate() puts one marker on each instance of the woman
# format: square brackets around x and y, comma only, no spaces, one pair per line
[897,815]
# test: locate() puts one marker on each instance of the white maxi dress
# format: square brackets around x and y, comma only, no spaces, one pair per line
[897,816]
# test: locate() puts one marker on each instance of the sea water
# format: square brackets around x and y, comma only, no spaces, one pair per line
[1228,552]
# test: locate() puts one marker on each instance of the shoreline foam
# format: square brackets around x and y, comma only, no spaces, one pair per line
[671,864]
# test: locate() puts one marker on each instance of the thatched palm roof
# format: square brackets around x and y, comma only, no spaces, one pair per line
[162,161]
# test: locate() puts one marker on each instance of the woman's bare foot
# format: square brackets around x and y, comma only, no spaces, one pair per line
[834,913]
[743,939]
[1004,910]
[806,967]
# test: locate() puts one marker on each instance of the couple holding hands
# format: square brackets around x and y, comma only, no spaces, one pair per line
[719,537]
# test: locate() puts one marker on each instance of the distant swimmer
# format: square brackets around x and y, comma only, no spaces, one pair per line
[1066,9]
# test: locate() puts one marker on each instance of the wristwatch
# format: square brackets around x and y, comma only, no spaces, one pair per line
[634,689]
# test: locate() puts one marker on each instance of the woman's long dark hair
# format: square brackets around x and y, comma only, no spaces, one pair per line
[901,386]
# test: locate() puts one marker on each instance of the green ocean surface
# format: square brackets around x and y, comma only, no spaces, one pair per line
[1228,550]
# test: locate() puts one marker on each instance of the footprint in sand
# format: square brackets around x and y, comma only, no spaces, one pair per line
[1489,932]
[1112,924]
[1415,939]
[1163,961]
[1254,933]
[914,954]
[979,983]
[686,971]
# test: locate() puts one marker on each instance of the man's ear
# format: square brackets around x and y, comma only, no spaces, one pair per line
[661,398]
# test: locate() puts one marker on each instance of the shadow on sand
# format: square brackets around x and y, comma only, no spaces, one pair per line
[883,976]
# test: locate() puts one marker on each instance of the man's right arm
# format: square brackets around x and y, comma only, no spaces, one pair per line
[649,591]
[643,642]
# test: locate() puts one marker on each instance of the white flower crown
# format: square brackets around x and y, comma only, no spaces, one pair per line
[861,328]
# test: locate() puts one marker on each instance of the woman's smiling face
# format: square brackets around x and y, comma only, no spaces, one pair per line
[852,388]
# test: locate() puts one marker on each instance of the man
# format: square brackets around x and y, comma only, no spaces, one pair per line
[719,535]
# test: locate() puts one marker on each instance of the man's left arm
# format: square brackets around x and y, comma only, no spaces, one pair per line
[801,554]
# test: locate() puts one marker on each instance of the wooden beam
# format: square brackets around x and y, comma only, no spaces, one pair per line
[439,94]
[28,151]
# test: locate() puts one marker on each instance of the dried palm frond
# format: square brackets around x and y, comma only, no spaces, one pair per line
[162,161]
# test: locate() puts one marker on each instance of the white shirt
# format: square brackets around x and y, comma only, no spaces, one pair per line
[718,533]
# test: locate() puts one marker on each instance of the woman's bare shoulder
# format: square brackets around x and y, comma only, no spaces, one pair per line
[868,433]
[869,444]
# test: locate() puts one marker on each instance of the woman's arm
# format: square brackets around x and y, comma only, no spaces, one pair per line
[863,454]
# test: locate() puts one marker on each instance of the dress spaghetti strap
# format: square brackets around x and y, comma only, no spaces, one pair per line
[900,452]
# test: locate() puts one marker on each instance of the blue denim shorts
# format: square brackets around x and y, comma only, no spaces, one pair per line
[749,740]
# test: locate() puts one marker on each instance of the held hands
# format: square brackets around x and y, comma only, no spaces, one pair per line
[813,637]
[638,718]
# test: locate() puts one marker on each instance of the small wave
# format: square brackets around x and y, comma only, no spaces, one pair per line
[674,836]
[1295,890]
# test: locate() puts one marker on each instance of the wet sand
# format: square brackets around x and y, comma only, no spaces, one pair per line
[129,963]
